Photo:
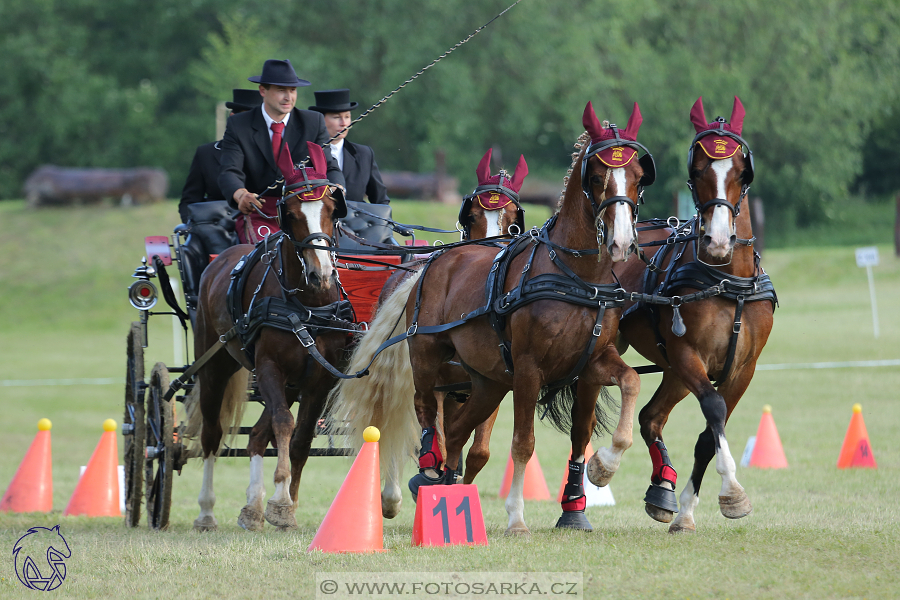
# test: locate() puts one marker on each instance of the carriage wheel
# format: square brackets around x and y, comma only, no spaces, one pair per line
[160,449]
[133,422]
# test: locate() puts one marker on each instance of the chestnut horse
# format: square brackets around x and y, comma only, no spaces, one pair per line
[556,316]
[716,332]
[268,308]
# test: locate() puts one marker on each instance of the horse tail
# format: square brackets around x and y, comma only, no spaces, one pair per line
[231,412]
[557,406]
[385,397]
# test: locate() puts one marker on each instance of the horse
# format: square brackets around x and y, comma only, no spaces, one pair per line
[572,305]
[717,332]
[274,308]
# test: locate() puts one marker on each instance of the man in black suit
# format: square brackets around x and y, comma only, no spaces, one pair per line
[250,165]
[202,181]
[357,162]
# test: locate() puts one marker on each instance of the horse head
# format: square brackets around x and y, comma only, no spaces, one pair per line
[307,211]
[720,167]
[613,178]
[493,208]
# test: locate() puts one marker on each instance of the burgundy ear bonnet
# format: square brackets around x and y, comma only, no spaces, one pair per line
[314,176]
[718,146]
[498,195]
[615,156]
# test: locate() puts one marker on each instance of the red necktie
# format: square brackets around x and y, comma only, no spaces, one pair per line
[280,151]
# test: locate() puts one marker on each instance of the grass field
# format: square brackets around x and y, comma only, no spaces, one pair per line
[816,532]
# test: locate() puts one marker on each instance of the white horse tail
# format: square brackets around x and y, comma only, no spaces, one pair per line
[385,397]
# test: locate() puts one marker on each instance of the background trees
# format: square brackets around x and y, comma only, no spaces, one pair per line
[135,83]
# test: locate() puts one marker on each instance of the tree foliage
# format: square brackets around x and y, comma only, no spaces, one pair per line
[128,83]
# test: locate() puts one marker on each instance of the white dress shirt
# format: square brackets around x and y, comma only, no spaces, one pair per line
[337,151]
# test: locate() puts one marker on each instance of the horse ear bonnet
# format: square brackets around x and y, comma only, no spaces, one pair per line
[720,139]
[615,155]
[315,177]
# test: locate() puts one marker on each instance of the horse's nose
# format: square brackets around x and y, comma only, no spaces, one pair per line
[314,280]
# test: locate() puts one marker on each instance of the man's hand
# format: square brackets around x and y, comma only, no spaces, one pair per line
[246,200]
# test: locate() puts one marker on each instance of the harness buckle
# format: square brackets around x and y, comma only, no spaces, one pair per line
[412,330]
[307,342]
[598,329]
[736,327]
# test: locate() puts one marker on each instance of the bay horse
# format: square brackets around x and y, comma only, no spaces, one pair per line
[555,319]
[492,209]
[272,308]
[717,336]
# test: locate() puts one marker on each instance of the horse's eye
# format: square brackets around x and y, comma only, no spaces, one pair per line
[596,180]
[695,173]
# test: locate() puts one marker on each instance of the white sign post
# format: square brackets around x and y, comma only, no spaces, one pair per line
[868,257]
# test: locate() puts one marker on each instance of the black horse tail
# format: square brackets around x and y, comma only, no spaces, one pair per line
[556,406]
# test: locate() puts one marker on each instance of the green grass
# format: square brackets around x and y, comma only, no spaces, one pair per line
[816,532]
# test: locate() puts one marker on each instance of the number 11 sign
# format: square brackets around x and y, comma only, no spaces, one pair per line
[448,515]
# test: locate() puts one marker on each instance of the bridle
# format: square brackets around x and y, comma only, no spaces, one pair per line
[649,176]
[465,217]
[746,177]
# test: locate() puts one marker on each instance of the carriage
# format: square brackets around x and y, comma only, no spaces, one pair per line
[155,446]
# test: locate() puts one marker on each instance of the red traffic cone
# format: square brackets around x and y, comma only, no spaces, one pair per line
[767,452]
[97,492]
[353,523]
[31,488]
[856,451]
[588,453]
[535,485]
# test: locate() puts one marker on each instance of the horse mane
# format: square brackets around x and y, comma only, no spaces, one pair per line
[583,139]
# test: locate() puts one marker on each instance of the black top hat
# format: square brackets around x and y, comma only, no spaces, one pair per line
[333,101]
[279,72]
[244,100]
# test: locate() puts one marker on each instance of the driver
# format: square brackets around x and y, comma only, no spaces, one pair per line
[261,143]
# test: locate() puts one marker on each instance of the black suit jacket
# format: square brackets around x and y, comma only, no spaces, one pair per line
[362,175]
[247,159]
[202,180]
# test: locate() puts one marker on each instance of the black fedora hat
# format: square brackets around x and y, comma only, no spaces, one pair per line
[244,100]
[333,101]
[278,72]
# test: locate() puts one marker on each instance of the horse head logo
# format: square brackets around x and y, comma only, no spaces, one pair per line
[32,550]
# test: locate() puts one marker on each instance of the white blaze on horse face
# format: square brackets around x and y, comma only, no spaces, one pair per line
[493,225]
[623,230]
[323,267]
[720,229]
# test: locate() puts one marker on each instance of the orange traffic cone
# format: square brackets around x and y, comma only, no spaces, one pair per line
[353,523]
[97,492]
[588,453]
[535,484]
[31,488]
[856,451]
[767,452]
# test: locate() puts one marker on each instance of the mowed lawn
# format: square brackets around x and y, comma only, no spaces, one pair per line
[815,531]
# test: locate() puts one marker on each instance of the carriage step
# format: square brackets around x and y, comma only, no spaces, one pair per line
[242,452]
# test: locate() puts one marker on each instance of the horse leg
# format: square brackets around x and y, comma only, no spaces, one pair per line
[312,405]
[660,502]
[251,517]
[480,452]
[212,394]
[733,500]
[583,422]
[605,462]
[526,388]
[279,508]
[391,495]
[426,363]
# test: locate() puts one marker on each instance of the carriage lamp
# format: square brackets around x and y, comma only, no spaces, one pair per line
[142,295]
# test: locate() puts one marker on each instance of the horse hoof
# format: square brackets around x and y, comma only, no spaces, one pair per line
[735,507]
[251,519]
[659,514]
[389,510]
[518,530]
[574,519]
[288,528]
[280,515]
[421,479]
[685,525]
[599,473]
[207,523]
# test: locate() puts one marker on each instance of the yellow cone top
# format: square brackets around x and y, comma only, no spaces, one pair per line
[110,425]
[767,408]
[44,425]
[857,408]
[371,434]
